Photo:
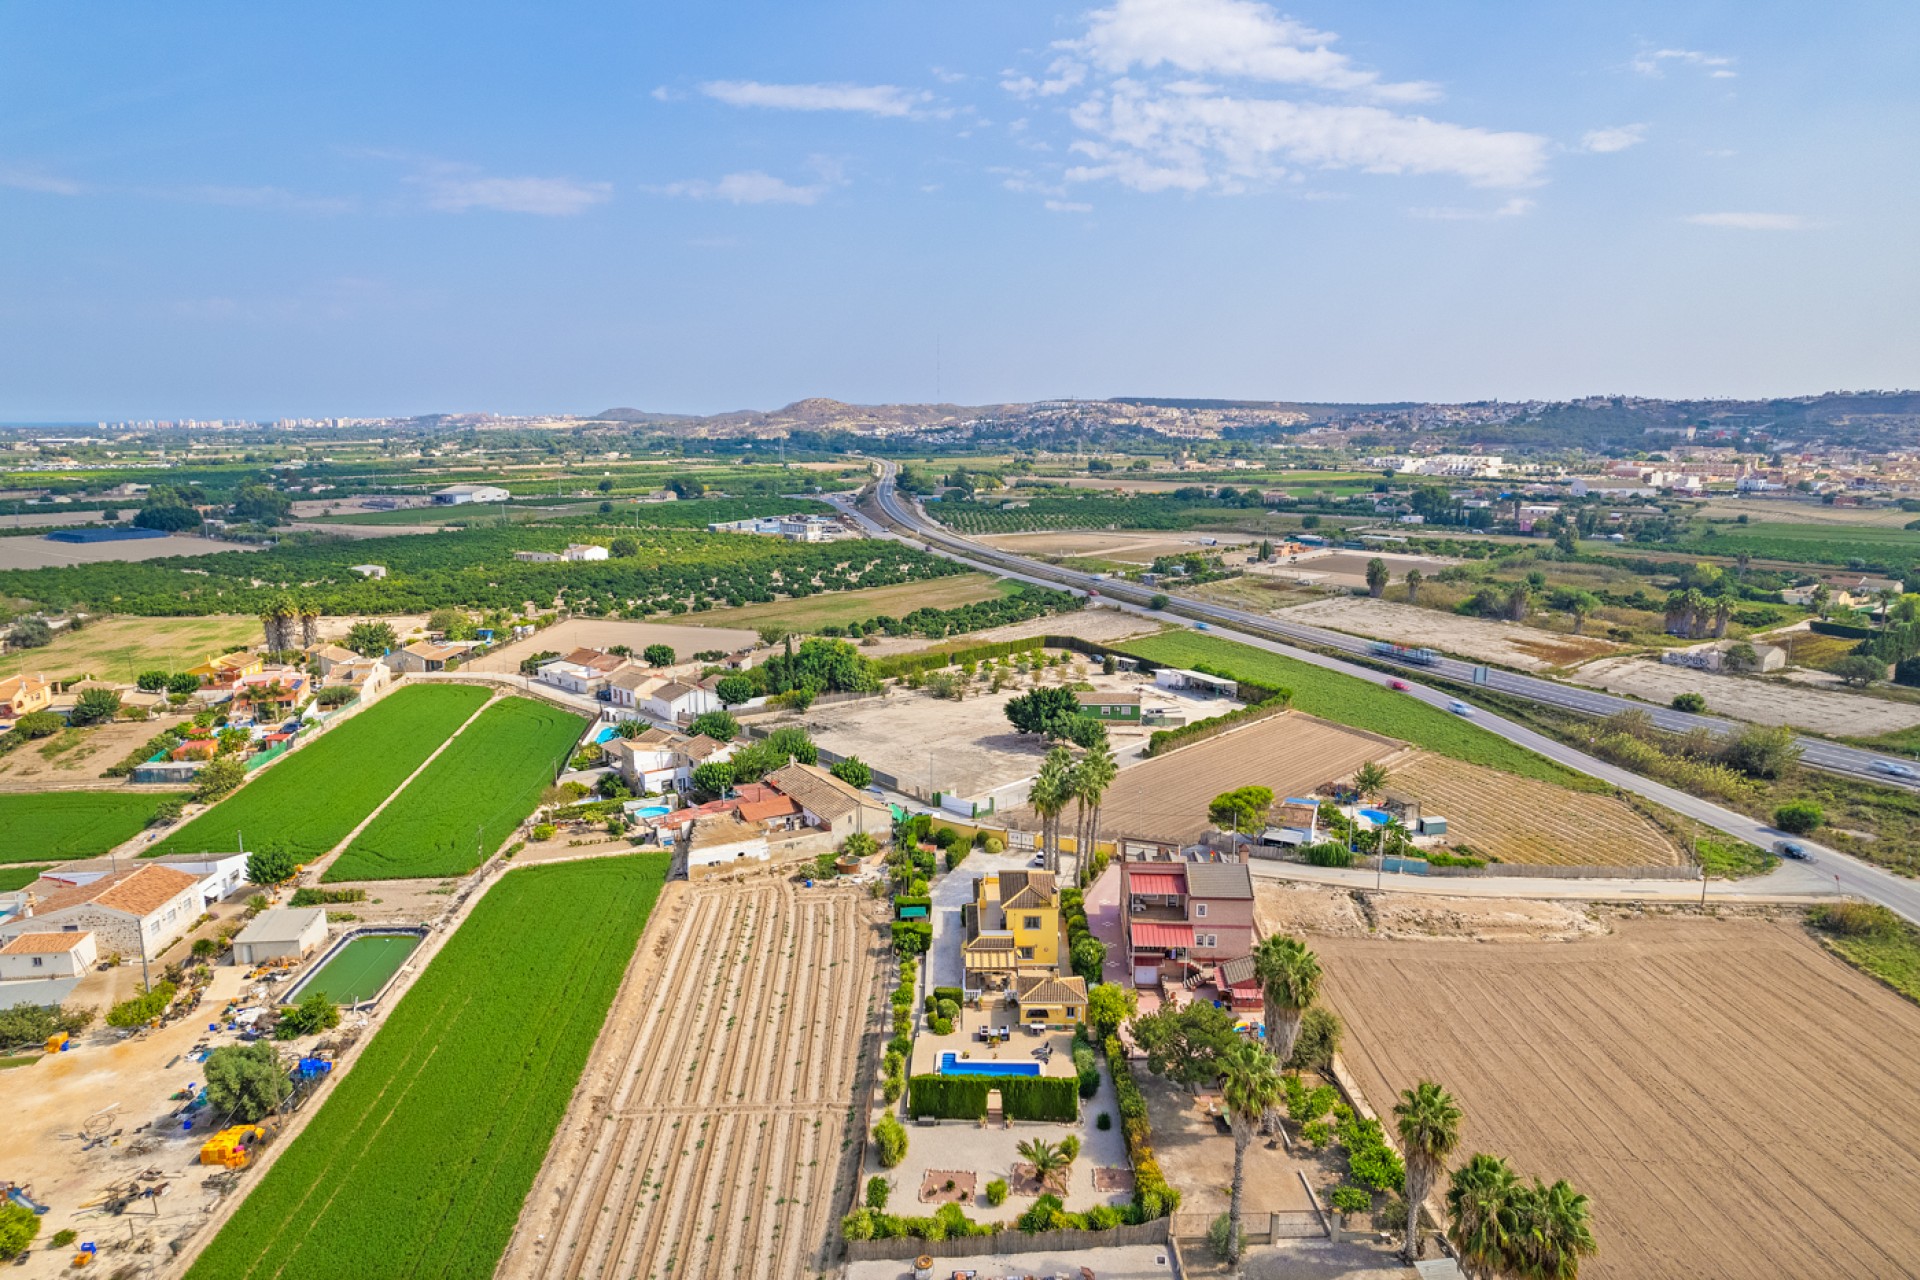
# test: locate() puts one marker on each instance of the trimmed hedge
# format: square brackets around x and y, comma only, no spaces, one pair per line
[1041,1098]
[1841,629]
[949,1097]
[1164,740]
[1152,1197]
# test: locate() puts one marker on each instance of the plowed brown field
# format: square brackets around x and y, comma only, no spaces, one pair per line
[1736,1102]
[1535,823]
[1165,798]
[707,1136]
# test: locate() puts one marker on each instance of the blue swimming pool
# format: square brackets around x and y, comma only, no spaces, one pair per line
[951,1064]
[652,811]
[605,735]
[1378,817]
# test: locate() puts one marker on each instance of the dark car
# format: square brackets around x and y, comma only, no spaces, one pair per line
[1788,849]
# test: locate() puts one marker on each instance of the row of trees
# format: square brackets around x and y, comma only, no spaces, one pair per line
[1082,781]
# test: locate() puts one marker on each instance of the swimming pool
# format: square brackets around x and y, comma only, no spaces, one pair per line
[951,1064]
[1378,817]
[605,735]
[652,811]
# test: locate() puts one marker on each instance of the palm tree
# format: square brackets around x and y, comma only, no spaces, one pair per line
[309,625]
[1289,977]
[1554,1230]
[1414,579]
[1369,779]
[1048,1160]
[1581,605]
[1048,797]
[1250,1087]
[1091,777]
[1429,1122]
[1480,1214]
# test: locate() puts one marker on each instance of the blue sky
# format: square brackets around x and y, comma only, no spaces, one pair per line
[253,210]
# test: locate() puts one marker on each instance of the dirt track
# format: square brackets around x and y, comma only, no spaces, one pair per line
[706,1137]
[1736,1102]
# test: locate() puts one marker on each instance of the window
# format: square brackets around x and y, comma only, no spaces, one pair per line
[1030,922]
[1026,953]
[1200,910]
[38,962]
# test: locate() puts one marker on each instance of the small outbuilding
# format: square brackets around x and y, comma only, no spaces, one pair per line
[286,933]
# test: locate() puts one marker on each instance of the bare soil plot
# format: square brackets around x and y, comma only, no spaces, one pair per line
[837,608]
[121,648]
[1324,911]
[1142,547]
[1165,798]
[77,757]
[1514,819]
[39,553]
[1788,512]
[1735,1101]
[604,633]
[706,1138]
[1510,643]
[1762,701]
[1261,590]
[1197,1157]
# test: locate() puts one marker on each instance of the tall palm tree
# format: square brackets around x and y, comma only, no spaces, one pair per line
[1250,1088]
[1481,1221]
[1289,976]
[1048,797]
[1092,776]
[1554,1230]
[1697,607]
[1369,779]
[1429,1123]
[1414,579]
[1048,1160]
[309,625]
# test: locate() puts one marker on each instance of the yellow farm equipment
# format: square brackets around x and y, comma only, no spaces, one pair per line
[230,1148]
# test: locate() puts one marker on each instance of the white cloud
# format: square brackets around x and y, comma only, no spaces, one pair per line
[1518,207]
[1617,138]
[1754,221]
[750,187]
[945,76]
[1229,38]
[1654,62]
[869,99]
[1067,206]
[45,184]
[1063,74]
[1153,142]
[457,188]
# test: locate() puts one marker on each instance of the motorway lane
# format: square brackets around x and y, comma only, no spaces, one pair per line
[1849,875]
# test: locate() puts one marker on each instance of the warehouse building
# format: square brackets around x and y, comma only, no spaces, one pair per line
[285,933]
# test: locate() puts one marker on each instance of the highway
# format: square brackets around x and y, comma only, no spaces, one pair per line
[1845,875]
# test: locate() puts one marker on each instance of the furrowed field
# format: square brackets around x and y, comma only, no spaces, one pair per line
[1349,700]
[72,824]
[419,1161]
[468,800]
[307,803]
[1895,550]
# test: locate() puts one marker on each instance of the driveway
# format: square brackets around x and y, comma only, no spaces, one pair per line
[951,891]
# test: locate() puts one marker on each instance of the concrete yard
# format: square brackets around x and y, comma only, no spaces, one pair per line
[1130,1262]
[1753,698]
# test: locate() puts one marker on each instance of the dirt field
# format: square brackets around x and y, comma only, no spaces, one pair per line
[837,608]
[1281,907]
[77,757]
[1735,1101]
[1515,819]
[1129,548]
[1509,643]
[1765,510]
[707,1136]
[39,553]
[1349,568]
[1166,798]
[1763,701]
[602,633]
[121,648]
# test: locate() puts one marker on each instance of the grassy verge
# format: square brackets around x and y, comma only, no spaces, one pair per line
[463,806]
[24,1060]
[307,803]
[16,877]
[418,1162]
[841,607]
[1729,859]
[1874,940]
[72,824]
[1363,704]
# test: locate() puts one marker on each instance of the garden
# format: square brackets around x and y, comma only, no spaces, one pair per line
[418,1162]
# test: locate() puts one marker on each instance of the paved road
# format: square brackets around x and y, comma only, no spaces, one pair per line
[1849,875]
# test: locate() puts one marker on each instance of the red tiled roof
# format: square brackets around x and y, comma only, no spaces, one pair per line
[1150,933]
[766,810]
[1167,882]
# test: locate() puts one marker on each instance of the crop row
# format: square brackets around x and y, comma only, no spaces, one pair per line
[72,824]
[307,803]
[1345,699]
[418,1162]
[466,803]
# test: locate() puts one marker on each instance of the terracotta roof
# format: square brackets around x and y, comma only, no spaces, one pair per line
[767,810]
[43,943]
[699,746]
[756,791]
[595,658]
[671,690]
[1151,933]
[1161,882]
[632,676]
[1020,889]
[332,653]
[13,686]
[993,943]
[1045,988]
[826,795]
[137,892]
[433,652]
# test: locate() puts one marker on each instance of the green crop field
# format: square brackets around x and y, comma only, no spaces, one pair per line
[466,803]
[309,802]
[418,1162]
[1360,703]
[72,824]
[14,877]
[1895,550]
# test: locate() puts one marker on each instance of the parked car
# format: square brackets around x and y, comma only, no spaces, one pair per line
[1789,849]
[1039,860]
[1894,770]
[1459,708]
[1400,685]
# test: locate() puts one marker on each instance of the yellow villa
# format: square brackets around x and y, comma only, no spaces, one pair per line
[1013,928]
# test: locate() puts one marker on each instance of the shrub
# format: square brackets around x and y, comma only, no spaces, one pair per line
[64,1237]
[857,1225]
[1070,1147]
[949,1097]
[878,1189]
[890,1137]
[543,831]
[1103,1121]
[1220,1237]
[1041,1216]
[954,994]
[246,1081]
[314,1014]
[1348,1198]
[1088,1069]
[18,1224]
[993,845]
[1857,920]
[1319,1040]
[997,1192]
[143,1008]
[940,1026]
[1328,853]
[271,866]
[957,854]
[1798,817]
[1693,702]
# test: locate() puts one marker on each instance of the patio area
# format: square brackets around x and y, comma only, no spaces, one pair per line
[1052,1051]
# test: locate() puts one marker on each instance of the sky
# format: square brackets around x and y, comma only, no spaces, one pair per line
[227,210]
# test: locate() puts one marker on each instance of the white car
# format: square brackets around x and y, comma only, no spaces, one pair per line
[1459,708]
[1894,770]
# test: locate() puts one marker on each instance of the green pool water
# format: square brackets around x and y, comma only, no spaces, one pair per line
[359,970]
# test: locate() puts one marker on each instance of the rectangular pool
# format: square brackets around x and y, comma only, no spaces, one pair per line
[359,968]
[951,1064]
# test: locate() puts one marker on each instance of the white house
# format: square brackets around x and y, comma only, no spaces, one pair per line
[460,494]
[659,761]
[583,551]
[142,910]
[630,687]
[723,839]
[286,933]
[44,968]
[673,701]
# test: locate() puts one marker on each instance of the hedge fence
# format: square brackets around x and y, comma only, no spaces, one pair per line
[1164,740]
[948,1097]
[1052,1098]
[961,1097]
